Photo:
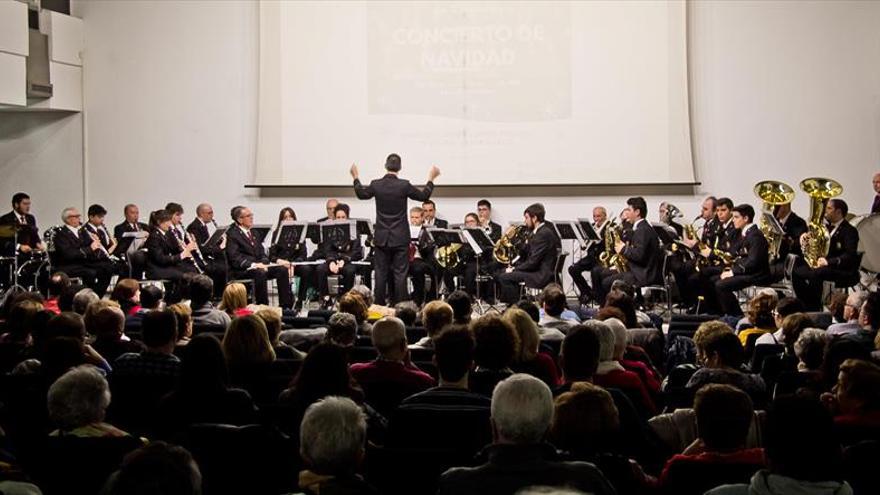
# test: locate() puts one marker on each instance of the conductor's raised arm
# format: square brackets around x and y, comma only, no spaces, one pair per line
[424,193]
[360,190]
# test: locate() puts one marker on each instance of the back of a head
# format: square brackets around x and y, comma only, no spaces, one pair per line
[461,306]
[105,323]
[579,354]
[389,335]
[246,342]
[393,163]
[82,299]
[159,328]
[836,353]
[760,310]
[531,309]
[57,283]
[67,324]
[709,331]
[157,469]
[78,398]
[810,347]
[860,383]
[620,336]
[526,332]
[332,436]
[324,371]
[183,313]
[585,419]
[271,317]
[554,300]
[353,303]
[789,305]
[435,316]
[496,342]
[124,290]
[606,339]
[724,414]
[454,352]
[800,441]
[342,329]
[729,350]
[522,409]
[365,292]
[20,319]
[200,290]
[151,296]
[624,302]
[65,300]
[203,366]
[407,311]
[234,297]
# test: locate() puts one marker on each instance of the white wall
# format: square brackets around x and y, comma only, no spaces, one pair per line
[779,90]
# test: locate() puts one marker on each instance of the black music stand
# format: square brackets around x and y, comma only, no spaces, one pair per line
[261,232]
[313,231]
[444,237]
[9,235]
[291,233]
[588,231]
[216,238]
[665,232]
[338,230]
[480,242]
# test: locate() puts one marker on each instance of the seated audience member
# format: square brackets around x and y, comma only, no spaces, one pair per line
[272,319]
[791,329]
[436,315]
[342,329]
[855,401]
[203,394]
[159,333]
[77,403]
[851,308]
[621,298]
[82,299]
[553,301]
[838,351]
[65,300]
[63,347]
[406,311]
[18,324]
[127,292]
[869,320]
[760,317]
[249,354]
[531,309]
[58,283]
[809,351]
[354,304]
[203,312]
[157,469]
[150,299]
[107,324]
[610,374]
[496,344]
[184,323]
[333,437]
[461,306]
[234,301]
[803,455]
[786,306]
[527,357]
[724,414]
[521,412]
[391,377]
[447,416]
[375,311]
[644,372]
[721,361]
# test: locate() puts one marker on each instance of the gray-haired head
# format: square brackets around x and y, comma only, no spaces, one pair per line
[332,436]
[82,299]
[70,210]
[78,398]
[549,490]
[342,329]
[364,292]
[810,347]
[620,335]
[522,409]
[389,336]
[606,338]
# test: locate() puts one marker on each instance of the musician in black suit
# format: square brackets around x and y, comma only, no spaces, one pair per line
[80,255]
[793,227]
[168,258]
[27,236]
[750,266]
[429,218]
[421,258]
[484,211]
[536,264]
[200,230]
[640,248]
[331,208]
[466,269]
[338,254]
[294,252]
[392,232]
[137,260]
[840,265]
[717,233]
[589,260]
[95,228]
[247,259]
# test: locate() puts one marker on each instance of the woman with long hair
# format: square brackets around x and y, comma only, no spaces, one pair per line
[293,251]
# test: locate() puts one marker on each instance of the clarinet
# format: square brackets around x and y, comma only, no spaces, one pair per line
[193,259]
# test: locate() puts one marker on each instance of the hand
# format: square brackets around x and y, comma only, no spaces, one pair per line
[829,400]
[261,266]
[334,268]
[223,241]
[24,248]
[705,252]
[354,171]
[433,173]
[618,246]
[821,262]
[696,447]
[689,242]
[283,262]
[185,254]
[726,274]
[95,245]
[508,269]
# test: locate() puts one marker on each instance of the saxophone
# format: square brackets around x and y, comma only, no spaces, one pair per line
[816,242]
[773,193]
[691,233]
[609,258]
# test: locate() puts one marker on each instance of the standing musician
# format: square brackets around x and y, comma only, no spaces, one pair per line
[247,260]
[391,239]
[94,229]
[640,248]
[338,253]
[429,220]
[793,227]
[293,252]
[421,263]
[484,211]
[80,256]
[840,265]
[537,262]
[168,257]
[750,265]
[200,230]
[589,260]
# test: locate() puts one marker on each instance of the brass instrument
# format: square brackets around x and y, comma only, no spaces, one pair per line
[772,193]
[691,233]
[817,241]
[507,248]
[609,258]
[447,256]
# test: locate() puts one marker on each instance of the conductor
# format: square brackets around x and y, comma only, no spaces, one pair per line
[392,235]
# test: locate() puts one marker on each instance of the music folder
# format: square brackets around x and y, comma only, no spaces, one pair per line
[568,230]
[339,230]
[215,239]
[444,237]
[665,232]
[364,227]
[588,230]
[478,239]
[261,232]
[291,232]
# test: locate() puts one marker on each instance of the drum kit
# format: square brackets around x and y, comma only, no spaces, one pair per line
[20,271]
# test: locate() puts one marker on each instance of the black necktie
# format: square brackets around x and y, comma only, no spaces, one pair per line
[876,207]
[251,238]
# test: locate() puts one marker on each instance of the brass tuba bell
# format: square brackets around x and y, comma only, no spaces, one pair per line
[820,190]
[772,193]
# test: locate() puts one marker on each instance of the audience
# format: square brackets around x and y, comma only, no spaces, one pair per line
[527,357]
[354,304]
[785,307]
[201,288]
[720,353]
[249,354]
[610,374]
[855,401]
[461,304]
[342,329]
[760,317]
[156,469]
[521,413]
[82,299]
[436,315]
[851,309]
[58,283]
[496,345]
[107,324]
[272,319]
[406,311]
[151,299]
[127,293]
[645,373]
[159,331]
[235,300]
[553,301]
[78,403]
[184,322]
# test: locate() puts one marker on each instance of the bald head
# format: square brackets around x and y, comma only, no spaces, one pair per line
[389,338]
[331,207]
[205,212]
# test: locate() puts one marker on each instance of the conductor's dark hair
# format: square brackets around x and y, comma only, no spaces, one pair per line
[638,203]
[536,210]
[235,212]
[725,202]
[484,202]
[174,208]
[96,211]
[839,204]
[392,163]
[19,197]
[746,210]
[159,216]
[342,207]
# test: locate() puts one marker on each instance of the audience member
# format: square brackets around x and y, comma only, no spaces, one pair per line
[721,361]
[107,324]
[82,299]
[151,299]
[406,311]
[553,302]
[786,306]
[271,317]
[621,299]
[461,305]
[78,402]
[645,373]
[527,357]
[184,323]
[855,401]
[58,283]
[249,355]
[851,309]
[496,345]
[201,288]
[342,329]
[65,300]
[760,317]
[532,310]
[156,469]
[235,300]
[610,374]
[159,332]
[436,315]
[127,293]
[354,304]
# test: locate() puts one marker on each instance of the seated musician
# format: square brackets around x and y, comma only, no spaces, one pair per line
[248,260]
[168,258]
[338,253]
[640,248]
[591,257]
[79,255]
[750,265]
[840,265]
[484,210]
[716,235]
[536,264]
[429,220]
[293,252]
[200,230]
[94,228]
[793,227]
[421,263]
[666,217]
[27,237]
[466,269]
[137,259]
[331,210]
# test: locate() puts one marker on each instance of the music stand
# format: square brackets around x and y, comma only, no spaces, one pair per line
[337,230]
[138,239]
[665,232]
[313,231]
[568,230]
[588,230]
[364,227]
[444,237]
[10,232]
[213,242]
[481,243]
[261,232]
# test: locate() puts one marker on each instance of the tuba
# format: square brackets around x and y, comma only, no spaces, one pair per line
[447,256]
[816,242]
[772,193]
[507,248]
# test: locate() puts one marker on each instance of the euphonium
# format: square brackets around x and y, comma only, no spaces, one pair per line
[820,190]
[507,248]
[772,193]
[447,256]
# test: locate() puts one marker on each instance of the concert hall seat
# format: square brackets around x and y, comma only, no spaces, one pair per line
[214,328]
[80,465]
[822,319]
[411,471]
[362,354]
